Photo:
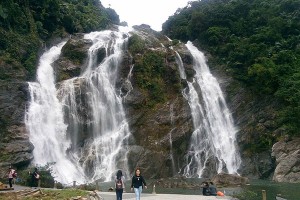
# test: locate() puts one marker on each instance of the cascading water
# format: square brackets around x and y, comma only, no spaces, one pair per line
[60,121]
[45,122]
[170,138]
[214,130]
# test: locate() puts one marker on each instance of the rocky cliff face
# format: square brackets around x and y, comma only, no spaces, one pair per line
[155,108]
[15,148]
[152,114]
[287,155]
[152,123]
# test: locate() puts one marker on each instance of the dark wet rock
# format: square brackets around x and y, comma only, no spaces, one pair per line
[73,58]
[261,165]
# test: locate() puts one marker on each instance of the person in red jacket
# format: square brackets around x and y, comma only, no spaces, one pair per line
[11,176]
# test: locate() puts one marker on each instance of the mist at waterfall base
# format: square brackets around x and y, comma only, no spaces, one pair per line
[54,119]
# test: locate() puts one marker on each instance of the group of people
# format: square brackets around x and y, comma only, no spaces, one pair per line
[137,184]
[209,189]
[12,174]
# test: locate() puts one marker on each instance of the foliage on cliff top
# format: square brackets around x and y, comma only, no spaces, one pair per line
[26,24]
[256,41]
[151,71]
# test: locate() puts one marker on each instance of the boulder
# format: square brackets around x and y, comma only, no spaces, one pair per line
[287,154]
[229,179]
[18,151]
[260,165]
[74,57]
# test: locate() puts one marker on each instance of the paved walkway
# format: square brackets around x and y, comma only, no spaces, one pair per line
[130,196]
[145,196]
[17,188]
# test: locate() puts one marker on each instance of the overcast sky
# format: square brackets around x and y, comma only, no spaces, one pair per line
[151,12]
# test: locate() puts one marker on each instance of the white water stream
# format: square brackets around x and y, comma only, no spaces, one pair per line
[88,106]
[214,130]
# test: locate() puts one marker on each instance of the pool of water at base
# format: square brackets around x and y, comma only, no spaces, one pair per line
[289,191]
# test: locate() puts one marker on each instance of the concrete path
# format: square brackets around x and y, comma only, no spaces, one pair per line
[145,196]
[130,196]
[17,188]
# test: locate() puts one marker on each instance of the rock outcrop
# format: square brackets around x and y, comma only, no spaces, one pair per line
[287,154]
[15,148]
[229,180]
[73,58]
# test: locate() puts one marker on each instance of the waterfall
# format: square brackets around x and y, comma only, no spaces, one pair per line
[214,136]
[171,140]
[81,124]
[45,122]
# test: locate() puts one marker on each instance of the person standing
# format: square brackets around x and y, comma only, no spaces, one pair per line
[35,178]
[137,183]
[120,184]
[11,176]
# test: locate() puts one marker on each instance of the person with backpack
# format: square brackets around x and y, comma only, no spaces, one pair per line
[11,175]
[120,184]
[35,178]
[137,183]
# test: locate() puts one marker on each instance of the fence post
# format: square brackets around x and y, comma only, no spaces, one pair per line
[74,183]
[97,185]
[264,195]
[154,192]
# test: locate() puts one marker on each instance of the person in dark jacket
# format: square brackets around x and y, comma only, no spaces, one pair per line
[212,189]
[205,189]
[137,183]
[35,178]
[120,184]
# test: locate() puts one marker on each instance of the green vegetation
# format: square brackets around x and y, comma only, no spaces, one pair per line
[246,195]
[149,70]
[257,41]
[153,70]
[47,181]
[62,194]
[136,44]
[26,25]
